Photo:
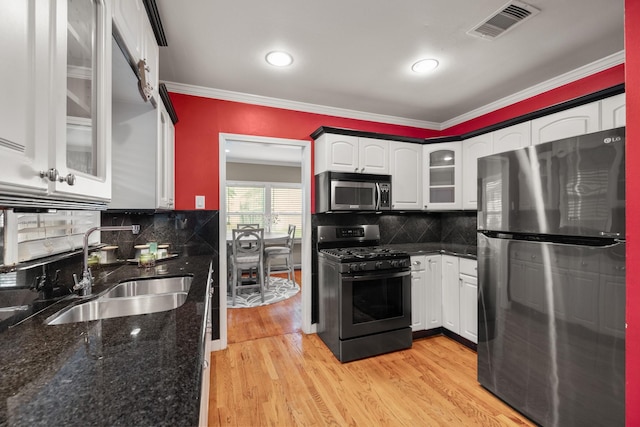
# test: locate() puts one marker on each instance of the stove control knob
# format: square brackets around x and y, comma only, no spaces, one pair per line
[378,265]
[363,266]
[394,263]
[353,267]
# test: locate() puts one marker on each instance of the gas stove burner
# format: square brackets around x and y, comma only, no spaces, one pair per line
[366,252]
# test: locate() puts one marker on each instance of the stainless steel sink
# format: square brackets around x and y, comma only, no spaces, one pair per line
[149,287]
[129,298]
[106,308]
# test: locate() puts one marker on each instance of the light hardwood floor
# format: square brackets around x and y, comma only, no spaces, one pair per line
[281,377]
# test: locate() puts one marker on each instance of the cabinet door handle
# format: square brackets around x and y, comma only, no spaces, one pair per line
[361,169]
[69,179]
[51,174]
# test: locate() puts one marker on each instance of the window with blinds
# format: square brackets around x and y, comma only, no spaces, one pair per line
[272,205]
[31,235]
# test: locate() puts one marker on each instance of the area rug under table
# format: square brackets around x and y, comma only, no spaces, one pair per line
[278,289]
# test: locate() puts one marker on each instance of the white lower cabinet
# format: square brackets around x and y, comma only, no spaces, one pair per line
[433,291]
[418,291]
[426,292]
[468,281]
[450,293]
[444,293]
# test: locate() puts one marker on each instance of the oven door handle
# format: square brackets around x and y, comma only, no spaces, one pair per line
[378,276]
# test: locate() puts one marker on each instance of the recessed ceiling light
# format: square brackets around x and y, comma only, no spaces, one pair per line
[279,58]
[425,65]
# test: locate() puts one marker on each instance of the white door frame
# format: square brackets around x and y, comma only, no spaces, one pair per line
[306,146]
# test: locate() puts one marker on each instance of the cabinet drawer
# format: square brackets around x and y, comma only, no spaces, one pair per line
[469,267]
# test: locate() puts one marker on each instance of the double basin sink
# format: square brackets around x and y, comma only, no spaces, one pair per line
[130,298]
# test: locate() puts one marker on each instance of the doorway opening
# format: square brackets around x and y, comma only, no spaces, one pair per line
[249,150]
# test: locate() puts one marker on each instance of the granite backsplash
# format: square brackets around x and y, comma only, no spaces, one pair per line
[446,227]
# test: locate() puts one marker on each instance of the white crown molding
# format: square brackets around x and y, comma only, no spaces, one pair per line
[296,106]
[579,73]
[585,71]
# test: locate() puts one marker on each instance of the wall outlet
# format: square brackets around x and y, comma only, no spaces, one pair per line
[199,202]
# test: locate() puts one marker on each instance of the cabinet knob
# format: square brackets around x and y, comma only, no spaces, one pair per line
[361,169]
[51,174]
[69,179]
[425,206]
[416,263]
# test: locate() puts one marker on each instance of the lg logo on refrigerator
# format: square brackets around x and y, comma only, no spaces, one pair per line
[612,139]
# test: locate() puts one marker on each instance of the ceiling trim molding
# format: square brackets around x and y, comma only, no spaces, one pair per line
[571,76]
[297,106]
[554,83]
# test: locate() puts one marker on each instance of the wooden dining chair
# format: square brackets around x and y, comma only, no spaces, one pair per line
[282,252]
[247,258]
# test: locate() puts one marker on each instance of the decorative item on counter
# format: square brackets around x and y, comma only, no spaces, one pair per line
[146,260]
[141,249]
[153,248]
[94,259]
[108,254]
[163,251]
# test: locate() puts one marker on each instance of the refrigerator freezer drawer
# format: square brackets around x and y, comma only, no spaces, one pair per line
[551,333]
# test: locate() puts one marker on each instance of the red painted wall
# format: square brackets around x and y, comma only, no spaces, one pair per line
[202,119]
[632,87]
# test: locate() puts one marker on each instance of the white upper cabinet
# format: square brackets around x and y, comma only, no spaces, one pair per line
[507,139]
[373,156]
[511,138]
[337,153]
[572,122]
[345,153]
[83,100]
[24,133]
[128,20]
[406,175]
[614,112]
[442,176]
[132,25]
[57,127]
[472,150]
[166,149]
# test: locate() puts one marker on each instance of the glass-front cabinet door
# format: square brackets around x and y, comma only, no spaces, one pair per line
[442,176]
[83,114]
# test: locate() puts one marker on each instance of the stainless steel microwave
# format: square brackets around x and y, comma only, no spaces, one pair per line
[341,191]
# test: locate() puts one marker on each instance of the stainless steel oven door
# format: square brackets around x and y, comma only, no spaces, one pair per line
[374,302]
[353,195]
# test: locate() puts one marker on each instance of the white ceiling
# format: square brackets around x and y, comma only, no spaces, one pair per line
[356,54]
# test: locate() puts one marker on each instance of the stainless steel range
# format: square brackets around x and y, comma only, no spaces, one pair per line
[364,293]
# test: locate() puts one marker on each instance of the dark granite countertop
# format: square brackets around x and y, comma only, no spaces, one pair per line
[96,373]
[464,251]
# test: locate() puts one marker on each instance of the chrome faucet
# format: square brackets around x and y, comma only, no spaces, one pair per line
[84,286]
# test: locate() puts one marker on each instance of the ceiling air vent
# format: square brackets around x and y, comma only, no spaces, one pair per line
[505,19]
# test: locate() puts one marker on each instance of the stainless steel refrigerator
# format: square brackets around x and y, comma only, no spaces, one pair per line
[551,291]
